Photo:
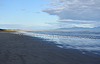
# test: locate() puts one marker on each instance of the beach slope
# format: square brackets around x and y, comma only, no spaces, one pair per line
[21,49]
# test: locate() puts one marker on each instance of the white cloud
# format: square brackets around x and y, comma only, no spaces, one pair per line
[88,10]
[75,21]
[75,9]
[71,25]
[78,23]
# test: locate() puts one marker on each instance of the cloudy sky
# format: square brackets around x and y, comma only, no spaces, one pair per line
[76,13]
[50,13]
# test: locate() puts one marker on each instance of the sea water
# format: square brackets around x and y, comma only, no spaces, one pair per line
[81,40]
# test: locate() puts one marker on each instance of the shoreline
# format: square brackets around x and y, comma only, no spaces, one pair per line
[22,49]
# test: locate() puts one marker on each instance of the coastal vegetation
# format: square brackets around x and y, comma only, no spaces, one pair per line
[9,30]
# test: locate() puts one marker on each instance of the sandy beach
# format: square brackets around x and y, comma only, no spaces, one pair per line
[21,49]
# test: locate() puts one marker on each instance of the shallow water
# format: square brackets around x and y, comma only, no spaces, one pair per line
[84,41]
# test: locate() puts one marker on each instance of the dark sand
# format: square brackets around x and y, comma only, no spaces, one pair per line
[20,49]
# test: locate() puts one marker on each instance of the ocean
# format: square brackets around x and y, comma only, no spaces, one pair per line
[67,39]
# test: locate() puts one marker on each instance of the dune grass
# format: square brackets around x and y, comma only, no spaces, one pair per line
[10,30]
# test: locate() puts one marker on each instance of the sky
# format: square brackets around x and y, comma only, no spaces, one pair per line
[50,14]
[76,13]
[25,13]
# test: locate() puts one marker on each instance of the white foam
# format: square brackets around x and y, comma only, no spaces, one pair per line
[70,42]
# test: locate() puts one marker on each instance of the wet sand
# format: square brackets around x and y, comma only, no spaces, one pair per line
[21,49]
